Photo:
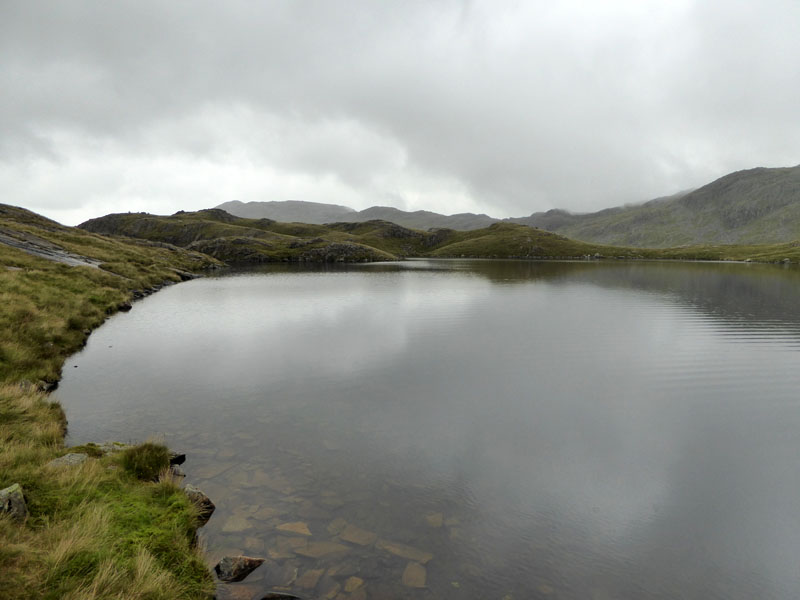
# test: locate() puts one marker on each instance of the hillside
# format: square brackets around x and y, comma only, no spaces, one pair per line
[247,241]
[237,240]
[424,219]
[92,530]
[755,206]
[289,211]
[319,214]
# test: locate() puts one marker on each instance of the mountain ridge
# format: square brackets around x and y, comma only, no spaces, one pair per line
[750,206]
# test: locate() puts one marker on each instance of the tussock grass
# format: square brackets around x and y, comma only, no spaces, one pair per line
[146,461]
[94,530]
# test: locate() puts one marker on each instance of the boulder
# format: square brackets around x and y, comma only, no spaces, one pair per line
[68,460]
[204,504]
[12,502]
[177,458]
[236,568]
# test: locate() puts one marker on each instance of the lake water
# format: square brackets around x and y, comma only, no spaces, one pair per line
[487,429]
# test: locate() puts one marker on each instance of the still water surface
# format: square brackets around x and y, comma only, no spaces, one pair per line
[487,429]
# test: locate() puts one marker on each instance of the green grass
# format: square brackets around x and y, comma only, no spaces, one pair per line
[240,240]
[97,530]
[146,461]
[94,530]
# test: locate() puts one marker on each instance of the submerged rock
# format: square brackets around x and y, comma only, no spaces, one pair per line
[309,579]
[236,524]
[352,584]
[204,504]
[297,527]
[336,526]
[356,535]
[236,568]
[318,549]
[414,575]
[434,520]
[404,551]
[12,502]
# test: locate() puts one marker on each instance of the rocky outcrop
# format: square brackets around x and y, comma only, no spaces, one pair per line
[236,568]
[344,252]
[12,502]
[205,506]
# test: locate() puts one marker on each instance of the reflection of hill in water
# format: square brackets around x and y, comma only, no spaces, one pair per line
[744,295]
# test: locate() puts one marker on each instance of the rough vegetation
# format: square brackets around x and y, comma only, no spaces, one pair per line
[93,530]
[238,240]
[146,461]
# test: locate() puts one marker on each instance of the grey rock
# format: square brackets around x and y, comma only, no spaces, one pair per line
[68,460]
[204,504]
[47,386]
[236,568]
[12,502]
[113,447]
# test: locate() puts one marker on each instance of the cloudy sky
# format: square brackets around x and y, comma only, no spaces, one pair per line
[491,106]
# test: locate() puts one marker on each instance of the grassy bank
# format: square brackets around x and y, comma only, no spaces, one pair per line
[93,530]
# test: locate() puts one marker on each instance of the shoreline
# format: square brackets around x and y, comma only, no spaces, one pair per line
[90,529]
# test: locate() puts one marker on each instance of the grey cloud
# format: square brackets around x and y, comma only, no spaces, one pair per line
[517,106]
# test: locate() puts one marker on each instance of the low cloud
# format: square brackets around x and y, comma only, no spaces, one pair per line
[498,107]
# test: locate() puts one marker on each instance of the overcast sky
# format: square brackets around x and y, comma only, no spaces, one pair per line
[489,106]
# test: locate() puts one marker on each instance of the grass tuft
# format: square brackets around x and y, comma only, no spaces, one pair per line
[146,461]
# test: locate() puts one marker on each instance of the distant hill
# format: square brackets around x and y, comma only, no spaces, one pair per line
[289,211]
[755,206]
[237,240]
[293,211]
[424,219]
